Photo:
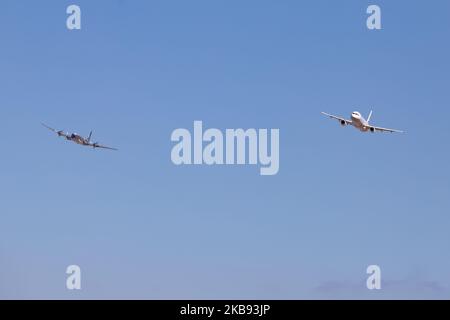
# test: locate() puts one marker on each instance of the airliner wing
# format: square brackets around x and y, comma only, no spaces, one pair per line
[337,118]
[373,128]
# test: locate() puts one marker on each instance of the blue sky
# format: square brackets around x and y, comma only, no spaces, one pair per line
[140,227]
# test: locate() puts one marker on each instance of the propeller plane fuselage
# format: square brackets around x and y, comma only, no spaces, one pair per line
[77,139]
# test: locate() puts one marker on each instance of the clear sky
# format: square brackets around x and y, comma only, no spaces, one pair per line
[141,227]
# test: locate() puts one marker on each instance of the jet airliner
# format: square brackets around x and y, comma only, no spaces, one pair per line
[358,121]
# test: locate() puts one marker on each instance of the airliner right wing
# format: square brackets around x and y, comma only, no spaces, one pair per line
[337,118]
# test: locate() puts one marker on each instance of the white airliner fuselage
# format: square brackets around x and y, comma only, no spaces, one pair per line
[359,122]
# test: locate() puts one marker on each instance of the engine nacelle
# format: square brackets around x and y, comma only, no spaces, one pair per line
[372,129]
[343,123]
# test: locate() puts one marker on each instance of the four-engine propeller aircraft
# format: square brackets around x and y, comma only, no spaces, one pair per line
[79,139]
[358,121]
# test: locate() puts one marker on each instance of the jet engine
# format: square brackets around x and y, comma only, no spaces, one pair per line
[343,123]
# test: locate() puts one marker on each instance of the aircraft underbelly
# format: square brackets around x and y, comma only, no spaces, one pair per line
[357,123]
